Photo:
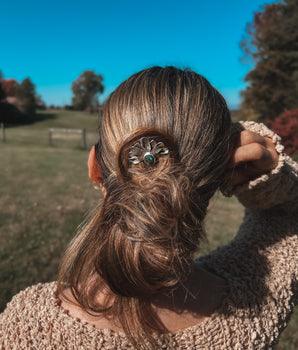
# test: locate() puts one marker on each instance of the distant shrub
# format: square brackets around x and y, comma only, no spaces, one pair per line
[286,126]
[68,107]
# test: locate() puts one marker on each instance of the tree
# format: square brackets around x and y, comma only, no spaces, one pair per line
[272,43]
[10,87]
[39,103]
[26,97]
[2,94]
[8,112]
[86,89]
[286,126]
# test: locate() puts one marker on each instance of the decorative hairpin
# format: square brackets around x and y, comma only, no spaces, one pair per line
[146,151]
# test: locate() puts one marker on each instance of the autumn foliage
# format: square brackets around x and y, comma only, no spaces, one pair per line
[271,44]
[10,87]
[286,126]
[18,101]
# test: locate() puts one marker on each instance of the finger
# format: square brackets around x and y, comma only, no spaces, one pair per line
[270,145]
[251,152]
[236,177]
[239,176]
[247,137]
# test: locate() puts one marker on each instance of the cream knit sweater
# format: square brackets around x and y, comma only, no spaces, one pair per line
[260,265]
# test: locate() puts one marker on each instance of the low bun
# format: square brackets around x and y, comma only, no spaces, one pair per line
[149,227]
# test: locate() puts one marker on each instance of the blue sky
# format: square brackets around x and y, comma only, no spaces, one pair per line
[52,42]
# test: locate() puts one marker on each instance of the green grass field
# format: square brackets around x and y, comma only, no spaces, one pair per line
[45,194]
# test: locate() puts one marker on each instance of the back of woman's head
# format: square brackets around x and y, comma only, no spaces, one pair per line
[142,239]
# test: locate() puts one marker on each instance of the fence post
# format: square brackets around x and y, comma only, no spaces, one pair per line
[50,137]
[3,132]
[84,138]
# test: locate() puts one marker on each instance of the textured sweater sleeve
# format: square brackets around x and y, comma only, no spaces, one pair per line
[261,262]
[277,187]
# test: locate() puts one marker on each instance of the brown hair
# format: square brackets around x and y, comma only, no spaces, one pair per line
[141,240]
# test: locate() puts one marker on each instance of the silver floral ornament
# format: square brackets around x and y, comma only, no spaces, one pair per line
[146,151]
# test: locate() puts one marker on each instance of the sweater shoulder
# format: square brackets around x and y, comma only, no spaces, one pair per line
[34,297]
[27,316]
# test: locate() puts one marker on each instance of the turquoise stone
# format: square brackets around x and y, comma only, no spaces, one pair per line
[148,159]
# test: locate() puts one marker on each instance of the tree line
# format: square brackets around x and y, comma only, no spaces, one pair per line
[19,101]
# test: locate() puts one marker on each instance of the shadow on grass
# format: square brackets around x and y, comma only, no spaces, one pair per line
[11,116]
[32,119]
[40,117]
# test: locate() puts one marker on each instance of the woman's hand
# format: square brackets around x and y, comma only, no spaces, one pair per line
[254,156]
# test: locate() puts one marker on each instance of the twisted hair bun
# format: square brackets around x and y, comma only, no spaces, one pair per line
[155,228]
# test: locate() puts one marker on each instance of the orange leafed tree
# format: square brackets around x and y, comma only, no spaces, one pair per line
[10,87]
[286,126]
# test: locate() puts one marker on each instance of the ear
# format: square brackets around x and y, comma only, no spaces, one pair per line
[95,172]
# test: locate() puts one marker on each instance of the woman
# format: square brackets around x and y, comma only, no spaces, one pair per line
[128,279]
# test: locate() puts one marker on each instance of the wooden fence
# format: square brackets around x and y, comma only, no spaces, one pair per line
[46,136]
[3,132]
[68,131]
